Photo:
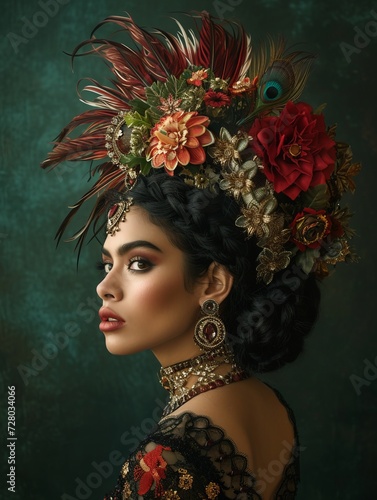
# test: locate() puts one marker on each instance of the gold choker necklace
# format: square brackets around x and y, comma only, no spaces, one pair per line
[174,378]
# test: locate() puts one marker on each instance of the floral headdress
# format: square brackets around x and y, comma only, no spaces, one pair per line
[202,106]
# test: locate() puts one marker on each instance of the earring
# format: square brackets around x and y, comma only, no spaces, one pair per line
[210,330]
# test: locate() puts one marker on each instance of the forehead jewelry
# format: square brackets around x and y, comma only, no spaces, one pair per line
[116,215]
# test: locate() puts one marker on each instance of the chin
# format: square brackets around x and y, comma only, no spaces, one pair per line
[119,347]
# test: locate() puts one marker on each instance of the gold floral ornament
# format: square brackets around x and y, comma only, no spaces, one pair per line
[125,468]
[345,170]
[171,495]
[118,136]
[185,479]
[205,178]
[270,262]
[227,149]
[339,251]
[127,492]
[212,490]
[121,141]
[239,182]
[259,217]
[277,235]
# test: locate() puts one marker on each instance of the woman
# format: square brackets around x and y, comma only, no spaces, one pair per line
[222,201]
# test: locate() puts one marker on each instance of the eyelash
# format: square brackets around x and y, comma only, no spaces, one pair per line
[102,265]
[139,259]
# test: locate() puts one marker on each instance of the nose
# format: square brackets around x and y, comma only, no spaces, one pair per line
[108,289]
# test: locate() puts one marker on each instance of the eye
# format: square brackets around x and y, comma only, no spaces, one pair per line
[104,266]
[139,264]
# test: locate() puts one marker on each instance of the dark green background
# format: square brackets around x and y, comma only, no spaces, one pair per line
[73,412]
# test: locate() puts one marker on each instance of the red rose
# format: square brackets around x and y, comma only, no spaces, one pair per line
[296,150]
[309,228]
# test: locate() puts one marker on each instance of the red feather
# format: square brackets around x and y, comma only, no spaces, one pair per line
[155,57]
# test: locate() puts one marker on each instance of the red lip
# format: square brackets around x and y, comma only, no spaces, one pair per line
[108,326]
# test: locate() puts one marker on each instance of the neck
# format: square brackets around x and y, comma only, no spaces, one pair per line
[207,371]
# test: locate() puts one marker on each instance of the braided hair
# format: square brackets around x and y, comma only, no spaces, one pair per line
[265,324]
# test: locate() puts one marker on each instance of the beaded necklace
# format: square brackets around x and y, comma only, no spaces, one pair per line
[174,378]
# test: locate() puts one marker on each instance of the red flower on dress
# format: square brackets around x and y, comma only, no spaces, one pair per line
[310,227]
[296,150]
[216,99]
[179,139]
[151,470]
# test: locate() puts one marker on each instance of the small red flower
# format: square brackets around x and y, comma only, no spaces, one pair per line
[216,99]
[309,228]
[179,139]
[296,150]
[197,77]
[151,470]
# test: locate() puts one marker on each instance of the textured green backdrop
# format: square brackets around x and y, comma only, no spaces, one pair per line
[77,406]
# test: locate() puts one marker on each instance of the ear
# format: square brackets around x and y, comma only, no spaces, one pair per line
[215,284]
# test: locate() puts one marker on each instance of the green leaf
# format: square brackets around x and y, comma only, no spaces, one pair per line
[137,161]
[154,114]
[134,119]
[307,259]
[145,166]
[132,161]
[139,106]
[154,92]
[316,197]
[176,87]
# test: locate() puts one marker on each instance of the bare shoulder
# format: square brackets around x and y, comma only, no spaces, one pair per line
[244,400]
[252,416]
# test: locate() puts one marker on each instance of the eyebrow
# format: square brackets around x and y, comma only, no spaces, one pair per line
[126,247]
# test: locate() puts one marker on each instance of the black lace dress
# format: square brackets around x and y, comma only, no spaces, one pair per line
[187,457]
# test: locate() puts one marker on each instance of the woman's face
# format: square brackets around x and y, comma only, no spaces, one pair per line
[144,291]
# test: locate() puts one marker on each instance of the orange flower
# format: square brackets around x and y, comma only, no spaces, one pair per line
[242,86]
[179,139]
[197,77]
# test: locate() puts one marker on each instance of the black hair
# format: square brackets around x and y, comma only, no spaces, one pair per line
[265,324]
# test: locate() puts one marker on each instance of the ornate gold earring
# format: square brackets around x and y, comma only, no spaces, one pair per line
[209,330]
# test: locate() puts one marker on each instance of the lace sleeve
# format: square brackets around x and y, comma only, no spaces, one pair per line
[158,471]
[187,457]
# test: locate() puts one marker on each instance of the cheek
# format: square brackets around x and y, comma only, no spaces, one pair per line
[159,293]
